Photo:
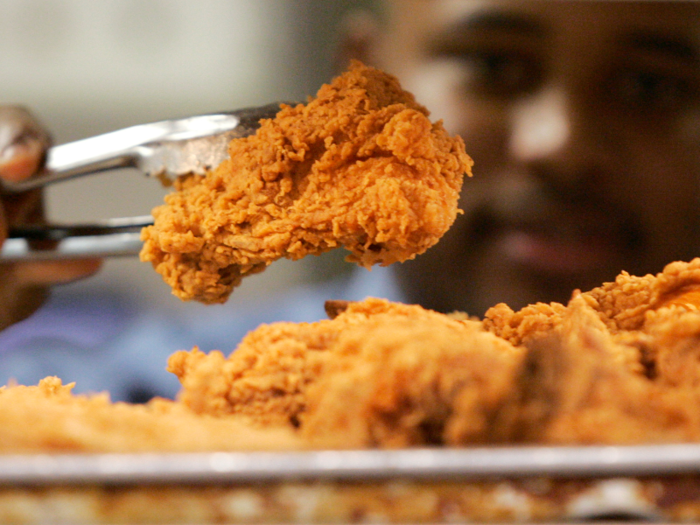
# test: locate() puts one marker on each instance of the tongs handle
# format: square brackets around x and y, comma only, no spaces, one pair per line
[113,237]
[79,247]
[121,148]
[169,147]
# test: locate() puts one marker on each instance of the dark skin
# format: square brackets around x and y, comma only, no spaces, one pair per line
[585,137]
[24,285]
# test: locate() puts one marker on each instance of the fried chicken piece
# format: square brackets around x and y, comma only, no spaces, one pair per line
[410,381]
[618,364]
[670,332]
[657,314]
[631,307]
[267,375]
[519,327]
[572,389]
[359,166]
[49,418]
[380,373]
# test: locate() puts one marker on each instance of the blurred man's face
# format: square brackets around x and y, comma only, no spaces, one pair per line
[583,120]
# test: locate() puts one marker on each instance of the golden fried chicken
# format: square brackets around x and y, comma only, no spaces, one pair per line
[359,166]
[397,381]
[49,418]
[380,373]
[575,387]
[634,309]
[617,365]
[668,326]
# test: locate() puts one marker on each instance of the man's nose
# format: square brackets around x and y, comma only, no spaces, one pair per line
[552,132]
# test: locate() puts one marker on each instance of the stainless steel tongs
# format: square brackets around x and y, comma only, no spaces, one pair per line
[168,149]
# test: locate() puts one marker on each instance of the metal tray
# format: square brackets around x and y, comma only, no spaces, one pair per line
[522,484]
[422,463]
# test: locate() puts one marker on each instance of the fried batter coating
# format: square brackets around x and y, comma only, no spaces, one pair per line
[410,381]
[359,166]
[269,374]
[519,327]
[379,374]
[573,389]
[619,364]
[670,334]
[636,310]
[49,418]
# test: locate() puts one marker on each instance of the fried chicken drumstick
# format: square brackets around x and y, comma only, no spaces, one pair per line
[359,166]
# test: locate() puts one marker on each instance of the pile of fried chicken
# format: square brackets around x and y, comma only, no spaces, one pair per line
[616,365]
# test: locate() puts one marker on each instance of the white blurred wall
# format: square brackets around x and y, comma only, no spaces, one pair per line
[91,66]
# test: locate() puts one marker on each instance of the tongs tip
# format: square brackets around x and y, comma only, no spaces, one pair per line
[166,150]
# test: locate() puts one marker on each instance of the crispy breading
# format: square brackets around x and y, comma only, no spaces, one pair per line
[620,364]
[360,166]
[269,374]
[670,341]
[576,388]
[397,381]
[519,327]
[617,365]
[49,418]
[573,388]
[636,310]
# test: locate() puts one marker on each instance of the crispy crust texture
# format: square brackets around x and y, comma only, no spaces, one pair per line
[49,418]
[360,166]
[616,365]
[379,374]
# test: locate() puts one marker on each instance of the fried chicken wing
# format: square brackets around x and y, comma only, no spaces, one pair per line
[359,166]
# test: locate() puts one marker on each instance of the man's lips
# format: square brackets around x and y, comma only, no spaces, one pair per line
[553,234]
[553,254]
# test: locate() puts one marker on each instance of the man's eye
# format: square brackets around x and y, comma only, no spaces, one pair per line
[499,73]
[648,90]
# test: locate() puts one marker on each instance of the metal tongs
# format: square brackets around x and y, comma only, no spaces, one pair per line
[165,149]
